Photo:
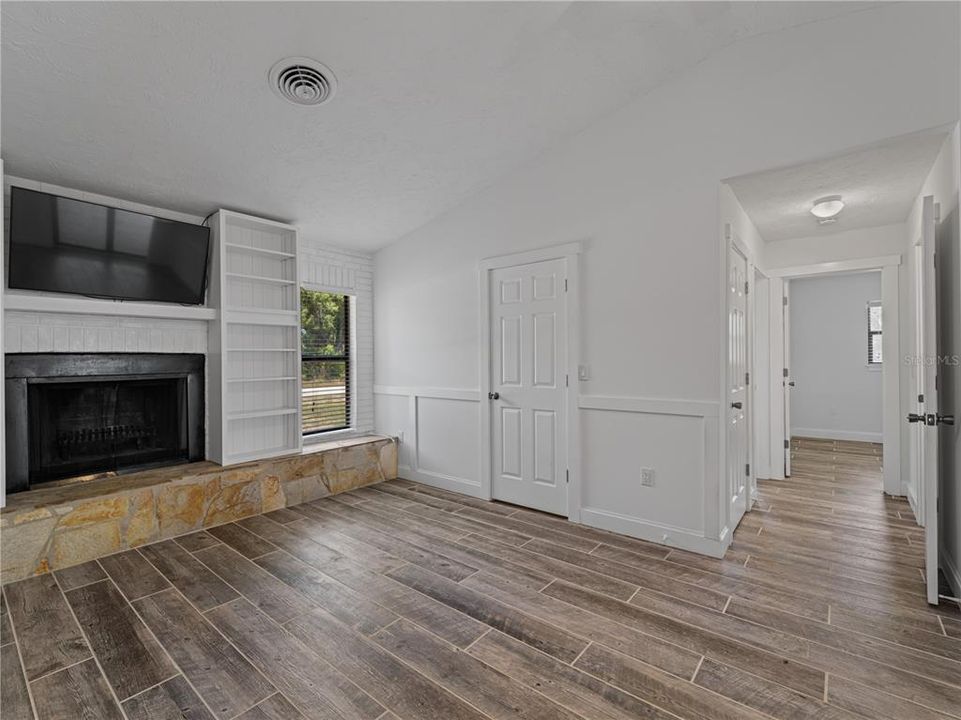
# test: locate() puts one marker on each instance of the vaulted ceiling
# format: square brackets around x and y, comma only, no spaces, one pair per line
[167,103]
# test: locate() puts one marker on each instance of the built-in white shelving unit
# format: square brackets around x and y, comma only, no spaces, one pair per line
[254,346]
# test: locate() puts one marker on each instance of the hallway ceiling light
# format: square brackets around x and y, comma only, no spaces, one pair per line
[827,209]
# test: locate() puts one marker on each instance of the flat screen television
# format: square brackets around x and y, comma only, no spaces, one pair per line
[62,245]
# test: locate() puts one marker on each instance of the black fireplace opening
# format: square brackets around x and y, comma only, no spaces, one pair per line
[90,427]
[70,415]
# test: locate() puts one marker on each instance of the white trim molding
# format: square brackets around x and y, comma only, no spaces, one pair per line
[685,424]
[887,265]
[410,466]
[837,266]
[427,392]
[680,538]
[656,406]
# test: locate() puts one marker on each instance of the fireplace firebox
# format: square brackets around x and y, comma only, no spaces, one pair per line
[70,414]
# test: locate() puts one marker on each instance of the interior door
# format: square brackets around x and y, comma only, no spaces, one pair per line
[528,321]
[917,384]
[788,383]
[738,428]
[929,435]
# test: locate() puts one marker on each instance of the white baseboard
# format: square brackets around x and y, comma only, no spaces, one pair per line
[443,482]
[837,435]
[652,532]
[951,572]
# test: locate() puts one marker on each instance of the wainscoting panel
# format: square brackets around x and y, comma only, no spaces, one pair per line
[678,439]
[439,432]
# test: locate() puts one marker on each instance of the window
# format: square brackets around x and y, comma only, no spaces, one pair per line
[325,361]
[874,333]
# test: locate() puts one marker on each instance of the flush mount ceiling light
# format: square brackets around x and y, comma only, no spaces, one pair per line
[827,209]
[302,81]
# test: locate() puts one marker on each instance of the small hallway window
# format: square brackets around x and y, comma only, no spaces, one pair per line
[325,361]
[874,333]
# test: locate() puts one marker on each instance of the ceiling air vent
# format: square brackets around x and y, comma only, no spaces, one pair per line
[302,81]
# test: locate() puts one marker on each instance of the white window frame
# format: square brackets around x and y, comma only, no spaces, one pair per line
[331,435]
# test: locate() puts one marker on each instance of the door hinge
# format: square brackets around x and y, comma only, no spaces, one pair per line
[745,287]
[565,284]
[785,372]
[567,381]
[747,469]
[567,475]
[787,444]
[747,378]
[784,299]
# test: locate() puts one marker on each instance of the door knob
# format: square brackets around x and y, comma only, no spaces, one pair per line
[791,383]
[737,405]
[493,396]
[945,419]
[915,418]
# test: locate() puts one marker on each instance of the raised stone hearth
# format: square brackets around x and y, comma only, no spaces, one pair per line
[58,526]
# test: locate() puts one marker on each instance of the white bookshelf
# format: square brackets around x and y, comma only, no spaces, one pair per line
[254,345]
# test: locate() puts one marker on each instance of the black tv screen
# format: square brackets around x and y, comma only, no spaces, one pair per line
[62,245]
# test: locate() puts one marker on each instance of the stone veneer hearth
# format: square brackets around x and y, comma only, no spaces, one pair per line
[58,526]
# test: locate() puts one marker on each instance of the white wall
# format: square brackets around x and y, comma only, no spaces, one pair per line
[837,395]
[641,190]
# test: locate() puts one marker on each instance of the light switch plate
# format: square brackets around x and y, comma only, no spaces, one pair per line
[583,372]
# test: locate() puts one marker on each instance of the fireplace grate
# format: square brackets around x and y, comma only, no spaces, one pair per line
[85,440]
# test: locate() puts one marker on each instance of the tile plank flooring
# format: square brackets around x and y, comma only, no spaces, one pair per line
[404,602]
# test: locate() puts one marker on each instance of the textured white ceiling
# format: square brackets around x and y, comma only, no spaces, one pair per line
[167,103]
[877,182]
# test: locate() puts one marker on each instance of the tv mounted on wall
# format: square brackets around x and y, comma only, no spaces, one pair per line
[62,245]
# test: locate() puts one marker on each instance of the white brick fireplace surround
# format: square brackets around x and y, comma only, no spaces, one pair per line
[320,267]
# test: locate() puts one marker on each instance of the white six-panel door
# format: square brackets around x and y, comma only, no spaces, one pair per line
[737,436]
[528,328]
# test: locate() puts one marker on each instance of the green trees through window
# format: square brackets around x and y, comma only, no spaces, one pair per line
[325,360]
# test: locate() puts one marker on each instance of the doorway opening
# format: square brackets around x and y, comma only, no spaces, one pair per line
[839,300]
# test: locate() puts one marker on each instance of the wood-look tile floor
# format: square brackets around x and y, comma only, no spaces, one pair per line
[402,601]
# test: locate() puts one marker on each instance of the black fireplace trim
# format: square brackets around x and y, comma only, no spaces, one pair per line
[23,369]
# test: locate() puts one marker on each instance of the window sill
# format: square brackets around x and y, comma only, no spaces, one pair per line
[330,436]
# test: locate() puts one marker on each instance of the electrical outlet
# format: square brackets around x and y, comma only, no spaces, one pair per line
[400,437]
[647,477]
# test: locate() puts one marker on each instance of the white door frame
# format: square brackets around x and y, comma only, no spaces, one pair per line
[571,253]
[890,339]
[760,383]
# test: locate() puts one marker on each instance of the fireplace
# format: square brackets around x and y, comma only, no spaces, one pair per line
[70,415]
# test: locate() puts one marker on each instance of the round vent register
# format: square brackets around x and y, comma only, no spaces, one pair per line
[302,81]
